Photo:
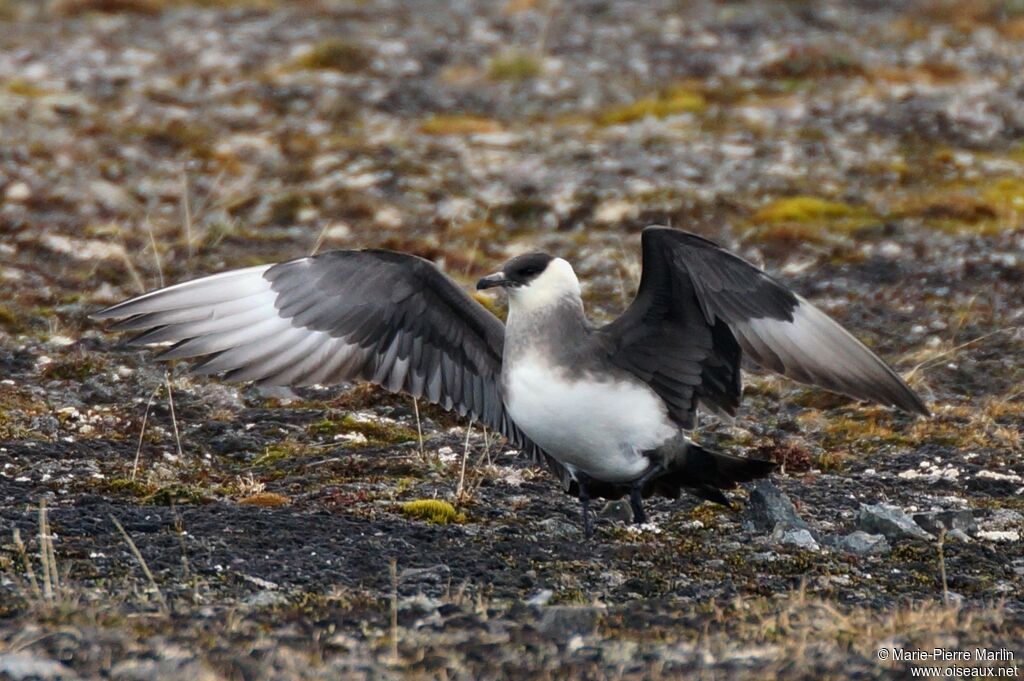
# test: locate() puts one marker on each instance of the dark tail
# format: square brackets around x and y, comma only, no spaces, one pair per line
[705,473]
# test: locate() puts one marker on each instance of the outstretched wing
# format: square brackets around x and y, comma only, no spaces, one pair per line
[389,318]
[699,306]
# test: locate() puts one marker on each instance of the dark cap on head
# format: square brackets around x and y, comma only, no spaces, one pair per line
[519,271]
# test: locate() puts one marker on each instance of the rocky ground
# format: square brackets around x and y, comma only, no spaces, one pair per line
[160,526]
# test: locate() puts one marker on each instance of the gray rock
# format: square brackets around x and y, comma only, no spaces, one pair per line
[564,621]
[173,668]
[959,535]
[617,510]
[266,599]
[1003,519]
[863,544]
[542,597]
[23,665]
[936,521]
[560,528]
[768,507]
[795,537]
[891,521]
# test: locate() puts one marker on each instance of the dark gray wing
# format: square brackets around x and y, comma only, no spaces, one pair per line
[389,318]
[698,306]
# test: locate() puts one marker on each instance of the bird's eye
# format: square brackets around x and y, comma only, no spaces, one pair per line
[529,271]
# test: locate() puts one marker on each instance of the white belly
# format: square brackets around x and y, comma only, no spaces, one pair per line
[598,428]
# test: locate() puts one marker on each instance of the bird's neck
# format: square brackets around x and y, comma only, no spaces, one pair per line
[550,327]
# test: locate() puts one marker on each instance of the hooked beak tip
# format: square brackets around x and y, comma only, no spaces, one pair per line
[491,281]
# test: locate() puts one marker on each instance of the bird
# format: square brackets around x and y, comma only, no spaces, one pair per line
[606,407]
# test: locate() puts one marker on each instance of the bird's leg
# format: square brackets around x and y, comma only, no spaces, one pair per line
[584,496]
[636,493]
[636,502]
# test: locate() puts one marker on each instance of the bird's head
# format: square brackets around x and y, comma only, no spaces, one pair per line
[534,280]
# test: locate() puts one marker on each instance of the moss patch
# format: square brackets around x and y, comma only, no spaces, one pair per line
[812,62]
[808,218]
[992,206]
[805,209]
[433,510]
[514,65]
[459,124]
[135,488]
[9,321]
[672,102]
[265,499]
[334,55]
[377,433]
[78,369]
[278,452]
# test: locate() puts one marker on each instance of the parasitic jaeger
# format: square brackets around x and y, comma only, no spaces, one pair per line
[604,407]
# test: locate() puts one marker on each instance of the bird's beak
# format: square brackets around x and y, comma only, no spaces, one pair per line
[492,280]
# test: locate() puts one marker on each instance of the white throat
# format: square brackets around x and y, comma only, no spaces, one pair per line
[555,284]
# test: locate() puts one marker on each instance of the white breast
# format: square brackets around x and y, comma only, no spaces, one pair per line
[600,428]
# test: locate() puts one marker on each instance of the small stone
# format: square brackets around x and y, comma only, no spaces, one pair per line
[863,544]
[560,528]
[768,507]
[542,597]
[1000,535]
[112,197]
[173,668]
[959,535]
[569,620]
[266,599]
[891,521]
[936,521]
[617,510]
[18,192]
[23,665]
[1003,519]
[795,537]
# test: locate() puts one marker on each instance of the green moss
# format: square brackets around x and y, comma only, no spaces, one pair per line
[9,321]
[128,486]
[176,135]
[707,514]
[433,510]
[1005,194]
[459,124]
[669,103]
[830,462]
[986,207]
[26,88]
[514,65]
[334,54]
[806,209]
[865,431]
[812,62]
[377,433]
[808,218]
[77,369]
[279,452]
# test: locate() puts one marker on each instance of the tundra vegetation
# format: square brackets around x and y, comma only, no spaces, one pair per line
[158,525]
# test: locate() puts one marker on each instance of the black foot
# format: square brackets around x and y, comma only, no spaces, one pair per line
[588,523]
[636,494]
[636,502]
